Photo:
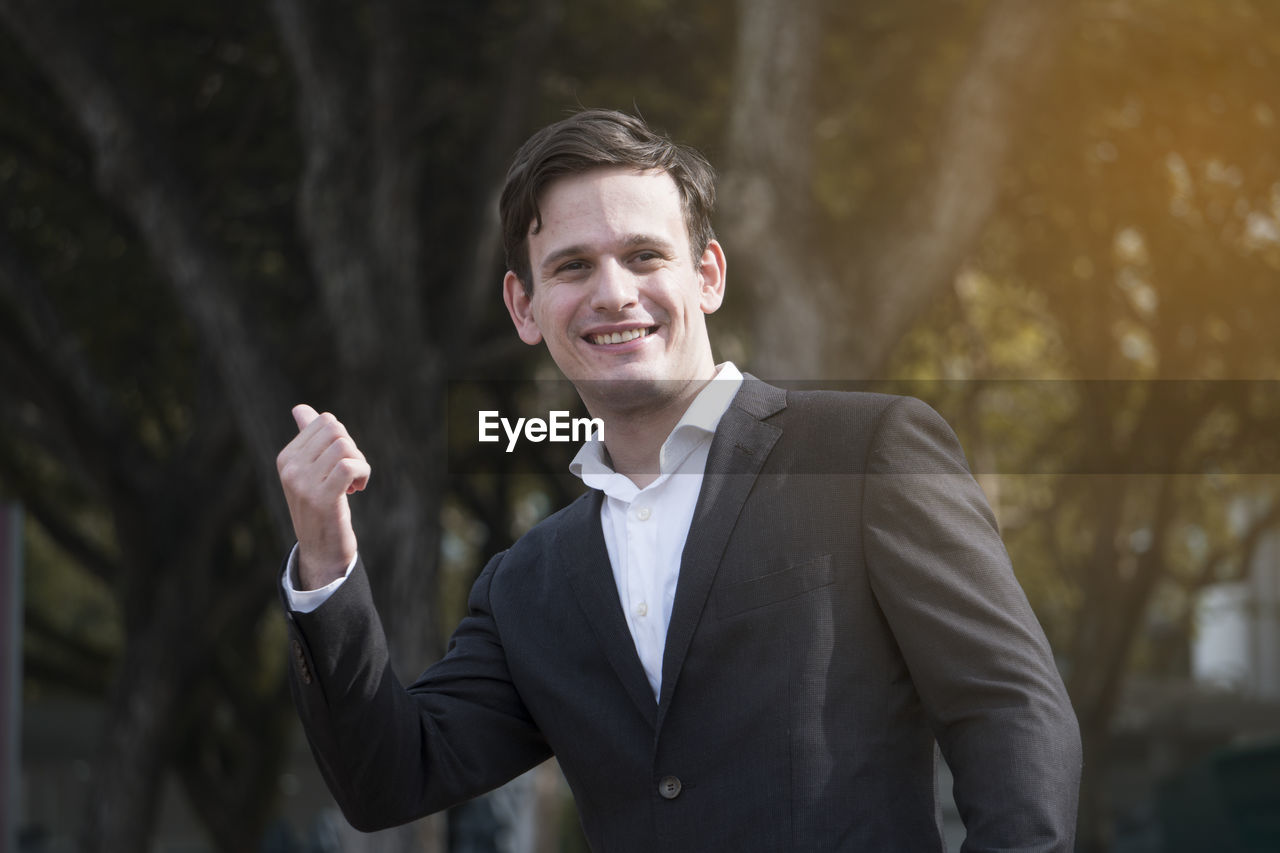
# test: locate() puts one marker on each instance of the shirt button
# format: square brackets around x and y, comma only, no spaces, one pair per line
[644,514]
[642,609]
[669,787]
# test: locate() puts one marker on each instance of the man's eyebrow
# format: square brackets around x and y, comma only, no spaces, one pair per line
[649,240]
[560,254]
[579,249]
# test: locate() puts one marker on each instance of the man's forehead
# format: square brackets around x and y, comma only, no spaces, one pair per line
[623,199]
[615,186]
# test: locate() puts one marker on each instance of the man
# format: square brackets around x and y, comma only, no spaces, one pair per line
[749,634]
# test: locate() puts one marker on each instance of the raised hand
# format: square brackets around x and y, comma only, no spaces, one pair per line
[318,470]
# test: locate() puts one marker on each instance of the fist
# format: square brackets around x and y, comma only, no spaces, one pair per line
[318,470]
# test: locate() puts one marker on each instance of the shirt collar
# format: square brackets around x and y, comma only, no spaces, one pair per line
[591,464]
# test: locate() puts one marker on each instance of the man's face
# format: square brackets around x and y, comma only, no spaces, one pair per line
[617,294]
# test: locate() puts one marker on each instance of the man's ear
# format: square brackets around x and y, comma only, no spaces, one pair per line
[520,307]
[711,269]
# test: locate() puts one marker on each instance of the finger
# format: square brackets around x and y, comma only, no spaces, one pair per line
[348,476]
[361,482]
[303,415]
[343,466]
[359,477]
[317,432]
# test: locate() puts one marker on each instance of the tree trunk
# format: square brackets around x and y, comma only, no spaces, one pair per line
[801,330]
[1093,828]
[765,204]
[919,252]
[139,733]
[140,179]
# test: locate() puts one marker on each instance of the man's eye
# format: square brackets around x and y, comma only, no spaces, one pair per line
[572,266]
[646,257]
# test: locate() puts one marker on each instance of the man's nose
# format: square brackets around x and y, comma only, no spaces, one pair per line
[615,287]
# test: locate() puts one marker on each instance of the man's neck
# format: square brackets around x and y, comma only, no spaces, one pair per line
[634,438]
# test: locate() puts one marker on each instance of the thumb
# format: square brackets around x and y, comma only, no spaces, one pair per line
[303,415]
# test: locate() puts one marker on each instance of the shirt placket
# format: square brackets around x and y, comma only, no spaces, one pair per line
[643,597]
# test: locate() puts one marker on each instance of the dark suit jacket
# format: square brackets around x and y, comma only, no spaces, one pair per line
[844,600]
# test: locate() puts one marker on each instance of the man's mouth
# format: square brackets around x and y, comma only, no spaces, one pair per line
[620,337]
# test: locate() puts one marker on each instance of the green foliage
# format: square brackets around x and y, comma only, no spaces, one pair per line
[888,71]
[1134,257]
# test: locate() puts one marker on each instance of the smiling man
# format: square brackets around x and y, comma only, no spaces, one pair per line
[752,630]
[620,301]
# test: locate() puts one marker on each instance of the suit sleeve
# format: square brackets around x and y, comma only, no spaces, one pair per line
[392,754]
[976,653]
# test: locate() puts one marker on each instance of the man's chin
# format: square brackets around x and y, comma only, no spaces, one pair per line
[629,394]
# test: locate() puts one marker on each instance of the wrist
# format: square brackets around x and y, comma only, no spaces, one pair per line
[311,576]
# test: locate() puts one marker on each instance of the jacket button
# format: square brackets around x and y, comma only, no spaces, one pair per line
[669,787]
[300,659]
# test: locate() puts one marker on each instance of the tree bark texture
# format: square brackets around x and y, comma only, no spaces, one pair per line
[801,331]
[765,208]
[136,174]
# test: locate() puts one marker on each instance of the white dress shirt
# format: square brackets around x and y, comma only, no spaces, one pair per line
[644,529]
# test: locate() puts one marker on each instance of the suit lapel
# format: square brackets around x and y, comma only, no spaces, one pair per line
[580,547]
[741,444]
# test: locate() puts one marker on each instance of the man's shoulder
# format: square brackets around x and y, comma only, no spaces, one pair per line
[842,401]
[811,397]
[821,410]
[843,431]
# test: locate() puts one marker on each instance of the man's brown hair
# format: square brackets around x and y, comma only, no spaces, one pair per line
[594,139]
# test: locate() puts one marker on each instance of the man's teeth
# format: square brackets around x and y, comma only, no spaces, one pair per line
[619,337]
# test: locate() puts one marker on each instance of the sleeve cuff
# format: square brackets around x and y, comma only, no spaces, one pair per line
[307,600]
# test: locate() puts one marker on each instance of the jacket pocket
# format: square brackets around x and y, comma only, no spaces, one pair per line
[796,579]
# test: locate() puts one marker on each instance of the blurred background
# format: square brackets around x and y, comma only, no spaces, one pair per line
[1057,222]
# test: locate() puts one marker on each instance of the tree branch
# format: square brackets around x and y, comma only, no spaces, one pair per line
[53,517]
[70,660]
[399,117]
[1211,569]
[517,91]
[915,254]
[334,204]
[56,353]
[135,173]
[768,204]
